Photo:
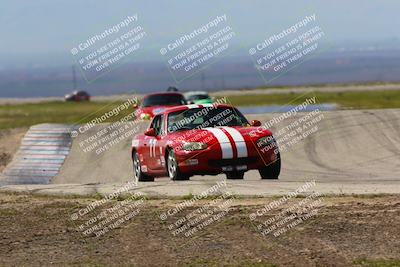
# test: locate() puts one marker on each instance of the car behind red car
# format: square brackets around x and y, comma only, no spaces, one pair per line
[77,96]
[156,103]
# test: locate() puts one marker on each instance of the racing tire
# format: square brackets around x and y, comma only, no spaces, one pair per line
[137,170]
[173,169]
[237,175]
[272,171]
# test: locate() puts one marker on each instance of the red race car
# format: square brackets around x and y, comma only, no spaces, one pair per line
[77,96]
[156,103]
[204,139]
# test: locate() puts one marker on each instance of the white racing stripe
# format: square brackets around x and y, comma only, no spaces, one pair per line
[207,105]
[239,141]
[192,106]
[223,140]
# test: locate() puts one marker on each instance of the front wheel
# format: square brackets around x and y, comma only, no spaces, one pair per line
[173,169]
[271,171]
[137,170]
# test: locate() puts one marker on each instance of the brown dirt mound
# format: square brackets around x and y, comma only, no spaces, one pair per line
[10,141]
[37,231]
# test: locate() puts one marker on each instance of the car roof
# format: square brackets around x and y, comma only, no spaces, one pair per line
[163,93]
[185,107]
[79,92]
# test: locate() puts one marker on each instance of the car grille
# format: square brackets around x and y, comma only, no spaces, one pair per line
[231,162]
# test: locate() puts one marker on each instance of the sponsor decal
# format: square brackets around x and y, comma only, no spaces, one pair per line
[152,147]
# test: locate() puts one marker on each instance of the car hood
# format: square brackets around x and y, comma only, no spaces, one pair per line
[153,110]
[214,135]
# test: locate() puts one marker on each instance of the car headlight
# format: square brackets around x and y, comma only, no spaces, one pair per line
[266,141]
[145,116]
[191,146]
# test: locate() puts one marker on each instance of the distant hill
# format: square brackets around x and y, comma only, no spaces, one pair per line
[238,72]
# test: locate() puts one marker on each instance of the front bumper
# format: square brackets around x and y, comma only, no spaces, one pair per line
[208,161]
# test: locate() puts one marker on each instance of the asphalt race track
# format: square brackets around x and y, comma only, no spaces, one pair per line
[345,152]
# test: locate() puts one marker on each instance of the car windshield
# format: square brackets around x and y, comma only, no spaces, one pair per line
[197,97]
[81,93]
[197,118]
[163,100]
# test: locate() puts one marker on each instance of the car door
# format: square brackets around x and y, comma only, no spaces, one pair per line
[160,145]
[151,143]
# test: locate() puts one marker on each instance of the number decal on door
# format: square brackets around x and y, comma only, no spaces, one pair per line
[152,147]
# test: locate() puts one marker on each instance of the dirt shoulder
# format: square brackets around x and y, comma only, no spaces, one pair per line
[346,231]
[10,140]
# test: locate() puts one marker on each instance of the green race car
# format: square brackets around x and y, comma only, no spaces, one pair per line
[198,97]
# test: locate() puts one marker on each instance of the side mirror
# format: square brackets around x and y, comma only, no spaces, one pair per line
[255,123]
[150,132]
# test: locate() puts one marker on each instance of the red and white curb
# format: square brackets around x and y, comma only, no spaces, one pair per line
[41,155]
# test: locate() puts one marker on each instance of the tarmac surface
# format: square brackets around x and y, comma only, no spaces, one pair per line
[344,152]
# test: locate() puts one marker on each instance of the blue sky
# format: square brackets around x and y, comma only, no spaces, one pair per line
[54,26]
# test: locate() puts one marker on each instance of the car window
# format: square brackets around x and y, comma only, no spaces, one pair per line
[197,118]
[81,93]
[164,100]
[161,132]
[155,124]
[197,97]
